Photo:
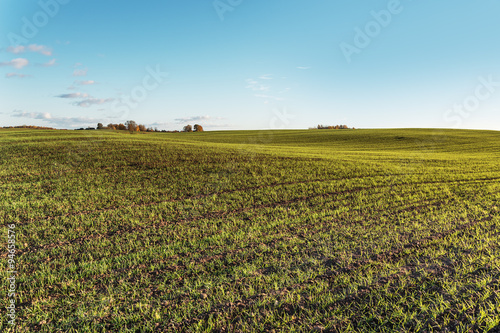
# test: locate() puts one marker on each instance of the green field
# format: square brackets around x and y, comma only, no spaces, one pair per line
[393,230]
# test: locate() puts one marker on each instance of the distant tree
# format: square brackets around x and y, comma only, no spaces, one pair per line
[198,128]
[142,128]
[100,126]
[131,125]
[121,127]
[187,128]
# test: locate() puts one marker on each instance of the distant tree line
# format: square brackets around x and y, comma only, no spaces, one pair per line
[331,127]
[30,126]
[129,125]
[196,128]
[132,126]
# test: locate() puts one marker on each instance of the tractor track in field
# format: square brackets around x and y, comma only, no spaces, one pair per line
[157,273]
[285,234]
[219,214]
[392,281]
[387,257]
[413,244]
[235,309]
[179,199]
[200,196]
[293,229]
[351,268]
[216,214]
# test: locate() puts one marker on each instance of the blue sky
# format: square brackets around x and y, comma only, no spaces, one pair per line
[241,64]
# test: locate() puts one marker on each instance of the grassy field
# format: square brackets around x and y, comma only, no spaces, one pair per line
[252,231]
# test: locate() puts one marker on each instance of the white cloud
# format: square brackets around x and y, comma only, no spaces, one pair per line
[269,97]
[256,86]
[265,92]
[93,101]
[60,121]
[32,115]
[80,72]
[85,83]
[42,49]
[303,68]
[87,100]
[16,49]
[49,64]
[284,90]
[11,75]
[74,95]
[16,63]
[266,77]
[197,118]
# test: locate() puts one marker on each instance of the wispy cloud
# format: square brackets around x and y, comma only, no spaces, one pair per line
[32,115]
[42,49]
[16,49]
[87,100]
[303,67]
[11,75]
[269,97]
[263,91]
[59,121]
[93,101]
[197,119]
[80,72]
[284,90]
[160,124]
[49,64]
[256,86]
[85,83]
[16,63]
[74,95]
